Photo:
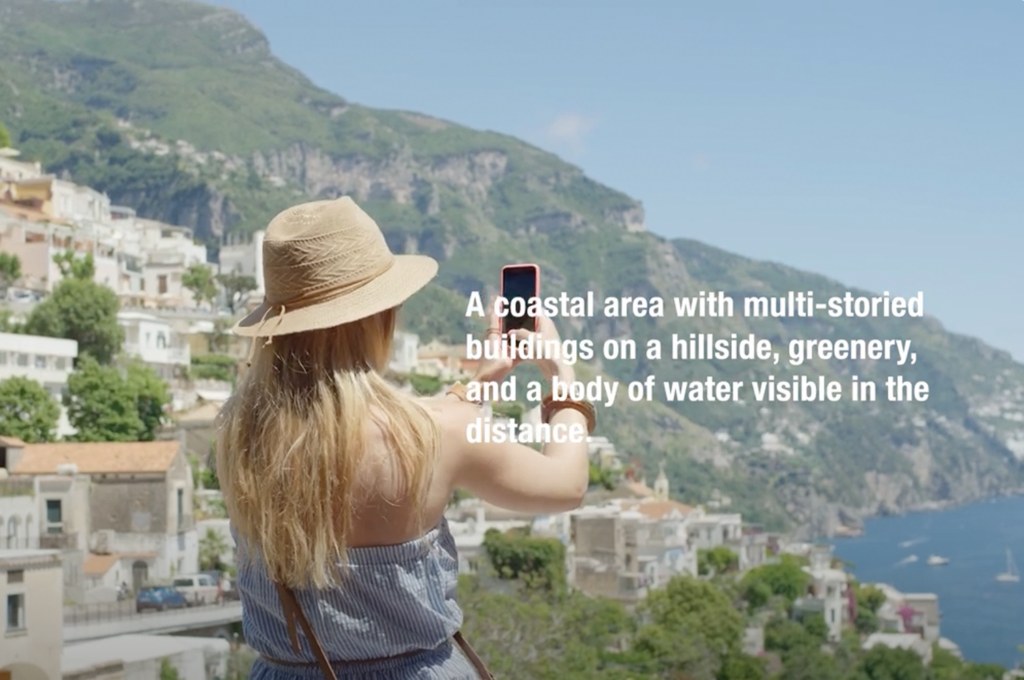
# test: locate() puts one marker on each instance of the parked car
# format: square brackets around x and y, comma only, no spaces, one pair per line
[198,589]
[159,598]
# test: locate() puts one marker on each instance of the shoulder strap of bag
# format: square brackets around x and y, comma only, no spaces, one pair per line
[293,611]
[473,657]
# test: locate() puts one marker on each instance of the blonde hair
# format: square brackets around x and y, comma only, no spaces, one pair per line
[292,437]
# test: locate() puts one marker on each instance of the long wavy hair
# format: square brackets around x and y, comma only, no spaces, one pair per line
[292,437]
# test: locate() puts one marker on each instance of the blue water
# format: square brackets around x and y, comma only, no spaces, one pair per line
[984,617]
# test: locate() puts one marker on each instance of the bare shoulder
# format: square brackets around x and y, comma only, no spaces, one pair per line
[452,415]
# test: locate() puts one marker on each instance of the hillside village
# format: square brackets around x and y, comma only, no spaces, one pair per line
[85,525]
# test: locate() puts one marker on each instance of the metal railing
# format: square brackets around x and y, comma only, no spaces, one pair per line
[62,541]
[126,610]
[16,486]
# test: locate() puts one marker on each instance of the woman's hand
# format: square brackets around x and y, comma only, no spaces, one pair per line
[546,335]
[493,370]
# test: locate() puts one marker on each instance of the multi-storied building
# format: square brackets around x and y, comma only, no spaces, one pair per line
[31,630]
[41,217]
[243,255]
[47,361]
[130,503]
[828,592]
[156,343]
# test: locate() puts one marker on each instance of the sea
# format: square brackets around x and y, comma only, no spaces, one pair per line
[983,616]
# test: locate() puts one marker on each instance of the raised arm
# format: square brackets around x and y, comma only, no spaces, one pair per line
[515,476]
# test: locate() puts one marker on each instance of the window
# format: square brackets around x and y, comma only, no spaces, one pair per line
[16,576]
[3,358]
[23,360]
[181,507]
[54,516]
[61,363]
[16,612]
[161,284]
[40,361]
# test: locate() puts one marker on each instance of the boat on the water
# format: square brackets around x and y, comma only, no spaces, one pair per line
[1011,575]
[937,561]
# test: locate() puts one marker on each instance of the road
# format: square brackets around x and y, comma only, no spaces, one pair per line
[90,622]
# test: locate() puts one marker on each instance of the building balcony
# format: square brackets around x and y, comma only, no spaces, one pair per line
[61,541]
[16,486]
[159,355]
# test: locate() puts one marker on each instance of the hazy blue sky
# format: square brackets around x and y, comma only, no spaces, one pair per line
[880,143]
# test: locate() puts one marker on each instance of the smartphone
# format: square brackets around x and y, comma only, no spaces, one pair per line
[519,281]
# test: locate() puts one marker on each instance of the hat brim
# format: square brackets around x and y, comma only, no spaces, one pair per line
[408,275]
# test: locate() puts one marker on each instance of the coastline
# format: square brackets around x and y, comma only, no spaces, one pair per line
[857,531]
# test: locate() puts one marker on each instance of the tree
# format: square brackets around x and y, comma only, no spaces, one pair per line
[883,663]
[211,546]
[200,281]
[80,309]
[717,560]
[537,562]
[235,286]
[101,404]
[738,666]
[5,137]
[10,272]
[73,267]
[151,398]
[27,411]
[785,579]
[693,626]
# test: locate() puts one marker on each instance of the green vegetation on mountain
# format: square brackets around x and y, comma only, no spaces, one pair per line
[180,110]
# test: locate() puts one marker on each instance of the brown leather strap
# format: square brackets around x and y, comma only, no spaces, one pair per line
[292,611]
[473,657]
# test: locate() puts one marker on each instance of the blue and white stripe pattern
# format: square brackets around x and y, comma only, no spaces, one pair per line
[392,600]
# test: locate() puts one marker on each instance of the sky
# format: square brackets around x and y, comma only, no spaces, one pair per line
[878,143]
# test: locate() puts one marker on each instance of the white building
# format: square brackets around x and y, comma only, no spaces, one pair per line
[47,361]
[32,594]
[12,170]
[241,254]
[708,531]
[829,594]
[41,216]
[156,342]
[18,508]
[405,352]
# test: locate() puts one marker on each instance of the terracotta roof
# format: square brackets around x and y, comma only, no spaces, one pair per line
[655,509]
[98,565]
[99,457]
[13,442]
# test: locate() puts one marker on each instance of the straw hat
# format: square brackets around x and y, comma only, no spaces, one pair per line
[326,263]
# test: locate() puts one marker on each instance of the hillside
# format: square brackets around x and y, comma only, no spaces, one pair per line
[181,110]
